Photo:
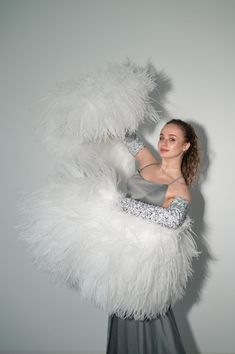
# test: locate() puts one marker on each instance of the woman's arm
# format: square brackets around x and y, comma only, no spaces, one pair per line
[138,150]
[173,216]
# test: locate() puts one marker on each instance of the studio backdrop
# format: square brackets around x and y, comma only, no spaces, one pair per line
[190,48]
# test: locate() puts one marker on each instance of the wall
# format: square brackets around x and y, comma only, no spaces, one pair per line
[45,42]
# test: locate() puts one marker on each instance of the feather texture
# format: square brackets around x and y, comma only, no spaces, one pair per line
[75,228]
[78,233]
[96,107]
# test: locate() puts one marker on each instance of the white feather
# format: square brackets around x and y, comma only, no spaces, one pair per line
[97,107]
[78,233]
[75,228]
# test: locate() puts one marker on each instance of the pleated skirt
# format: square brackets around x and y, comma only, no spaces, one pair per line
[156,336]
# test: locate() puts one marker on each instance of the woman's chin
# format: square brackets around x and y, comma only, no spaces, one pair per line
[164,153]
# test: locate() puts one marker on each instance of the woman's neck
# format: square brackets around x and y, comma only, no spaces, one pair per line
[171,167]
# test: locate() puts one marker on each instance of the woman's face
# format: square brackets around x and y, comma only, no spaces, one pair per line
[171,141]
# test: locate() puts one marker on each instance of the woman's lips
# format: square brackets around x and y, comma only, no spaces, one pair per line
[164,150]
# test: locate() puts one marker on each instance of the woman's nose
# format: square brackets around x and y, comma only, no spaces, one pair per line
[164,142]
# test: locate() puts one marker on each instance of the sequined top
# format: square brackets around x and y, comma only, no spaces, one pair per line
[145,198]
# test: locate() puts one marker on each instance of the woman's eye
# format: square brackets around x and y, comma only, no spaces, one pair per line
[172,139]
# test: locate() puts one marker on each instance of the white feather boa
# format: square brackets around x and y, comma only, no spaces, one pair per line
[76,230]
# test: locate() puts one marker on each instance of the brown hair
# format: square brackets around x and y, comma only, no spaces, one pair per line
[191,158]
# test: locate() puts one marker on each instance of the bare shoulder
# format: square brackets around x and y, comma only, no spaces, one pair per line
[180,189]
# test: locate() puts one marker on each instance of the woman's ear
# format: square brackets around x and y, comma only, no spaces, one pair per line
[186,146]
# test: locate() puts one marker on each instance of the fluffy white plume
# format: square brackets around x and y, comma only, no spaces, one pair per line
[97,107]
[75,228]
[76,231]
[95,159]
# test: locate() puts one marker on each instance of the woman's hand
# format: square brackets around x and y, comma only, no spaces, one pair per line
[138,150]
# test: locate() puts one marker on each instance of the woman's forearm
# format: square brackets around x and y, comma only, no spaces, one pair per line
[172,216]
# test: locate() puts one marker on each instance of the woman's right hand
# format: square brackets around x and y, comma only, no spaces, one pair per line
[138,149]
[133,143]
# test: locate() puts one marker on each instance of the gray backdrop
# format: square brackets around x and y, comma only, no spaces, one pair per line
[45,42]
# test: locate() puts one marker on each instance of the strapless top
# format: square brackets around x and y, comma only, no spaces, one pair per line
[149,192]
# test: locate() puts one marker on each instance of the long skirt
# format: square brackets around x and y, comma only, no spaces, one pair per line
[156,336]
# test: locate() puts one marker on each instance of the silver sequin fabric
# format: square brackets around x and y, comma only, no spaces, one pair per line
[172,217]
[133,143]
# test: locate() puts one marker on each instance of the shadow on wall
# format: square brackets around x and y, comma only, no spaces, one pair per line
[200,265]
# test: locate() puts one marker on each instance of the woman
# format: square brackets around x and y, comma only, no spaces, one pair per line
[78,227]
[166,185]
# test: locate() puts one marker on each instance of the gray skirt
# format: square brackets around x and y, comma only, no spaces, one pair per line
[157,336]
